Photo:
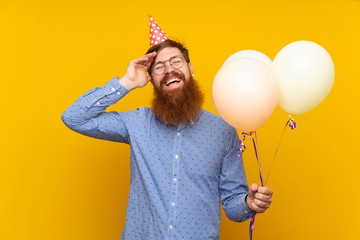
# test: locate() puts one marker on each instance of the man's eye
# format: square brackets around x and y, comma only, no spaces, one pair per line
[158,67]
[176,62]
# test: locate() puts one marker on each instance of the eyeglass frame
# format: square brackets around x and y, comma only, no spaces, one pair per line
[169,60]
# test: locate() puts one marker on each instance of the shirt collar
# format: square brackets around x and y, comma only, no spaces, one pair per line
[192,122]
[182,125]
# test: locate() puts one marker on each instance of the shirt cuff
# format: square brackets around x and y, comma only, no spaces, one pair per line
[238,211]
[247,210]
[113,92]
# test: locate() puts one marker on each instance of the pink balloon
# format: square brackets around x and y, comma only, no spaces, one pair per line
[245,93]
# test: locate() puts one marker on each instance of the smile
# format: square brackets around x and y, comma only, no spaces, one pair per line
[172,81]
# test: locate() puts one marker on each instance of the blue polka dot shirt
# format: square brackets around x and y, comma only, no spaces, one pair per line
[179,175]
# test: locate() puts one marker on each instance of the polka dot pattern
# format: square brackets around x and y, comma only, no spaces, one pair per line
[157,35]
[179,175]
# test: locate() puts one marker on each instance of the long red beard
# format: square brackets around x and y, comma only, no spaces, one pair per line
[179,105]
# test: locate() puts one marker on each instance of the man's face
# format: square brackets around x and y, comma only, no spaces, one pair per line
[172,78]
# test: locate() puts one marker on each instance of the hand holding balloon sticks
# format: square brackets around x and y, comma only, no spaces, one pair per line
[292,124]
[248,87]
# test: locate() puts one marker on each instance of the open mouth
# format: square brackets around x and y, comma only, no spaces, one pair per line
[172,81]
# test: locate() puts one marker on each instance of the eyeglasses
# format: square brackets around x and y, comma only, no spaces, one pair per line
[176,62]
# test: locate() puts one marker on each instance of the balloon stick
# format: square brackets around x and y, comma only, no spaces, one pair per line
[292,124]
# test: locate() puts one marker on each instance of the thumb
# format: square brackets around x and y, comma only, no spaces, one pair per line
[252,190]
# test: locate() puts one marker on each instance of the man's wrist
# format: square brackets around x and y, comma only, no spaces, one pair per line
[247,204]
[127,83]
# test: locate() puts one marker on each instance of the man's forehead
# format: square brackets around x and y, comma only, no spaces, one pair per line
[167,53]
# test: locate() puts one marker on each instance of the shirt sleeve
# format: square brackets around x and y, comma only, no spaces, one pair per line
[233,183]
[86,115]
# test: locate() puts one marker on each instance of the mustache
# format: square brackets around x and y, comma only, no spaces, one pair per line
[168,76]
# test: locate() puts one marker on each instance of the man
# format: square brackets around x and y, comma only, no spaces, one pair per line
[184,160]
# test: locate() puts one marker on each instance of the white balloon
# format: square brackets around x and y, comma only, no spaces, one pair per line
[305,74]
[251,54]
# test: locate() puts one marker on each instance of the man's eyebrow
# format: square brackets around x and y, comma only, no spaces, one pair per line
[166,60]
[157,62]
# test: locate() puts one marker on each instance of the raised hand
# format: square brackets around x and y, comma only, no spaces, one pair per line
[136,72]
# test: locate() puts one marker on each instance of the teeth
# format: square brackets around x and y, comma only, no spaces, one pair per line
[171,81]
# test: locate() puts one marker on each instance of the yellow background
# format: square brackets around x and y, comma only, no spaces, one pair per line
[56,184]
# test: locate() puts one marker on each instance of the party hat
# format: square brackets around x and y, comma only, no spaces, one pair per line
[157,35]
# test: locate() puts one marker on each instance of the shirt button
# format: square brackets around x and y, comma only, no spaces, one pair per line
[176,156]
[170,227]
[178,134]
[172,204]
[98,103]
[118,93]
[112,89]
[246,211]
[175,179]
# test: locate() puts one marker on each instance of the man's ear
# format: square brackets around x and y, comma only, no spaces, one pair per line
[191,68]
[150,80]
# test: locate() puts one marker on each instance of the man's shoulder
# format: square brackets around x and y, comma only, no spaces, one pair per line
[210,115]
[140,112]
[215,119]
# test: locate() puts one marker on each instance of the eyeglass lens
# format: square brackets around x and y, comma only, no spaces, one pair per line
[176,62]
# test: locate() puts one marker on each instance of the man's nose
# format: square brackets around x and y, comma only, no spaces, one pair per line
[168,67]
